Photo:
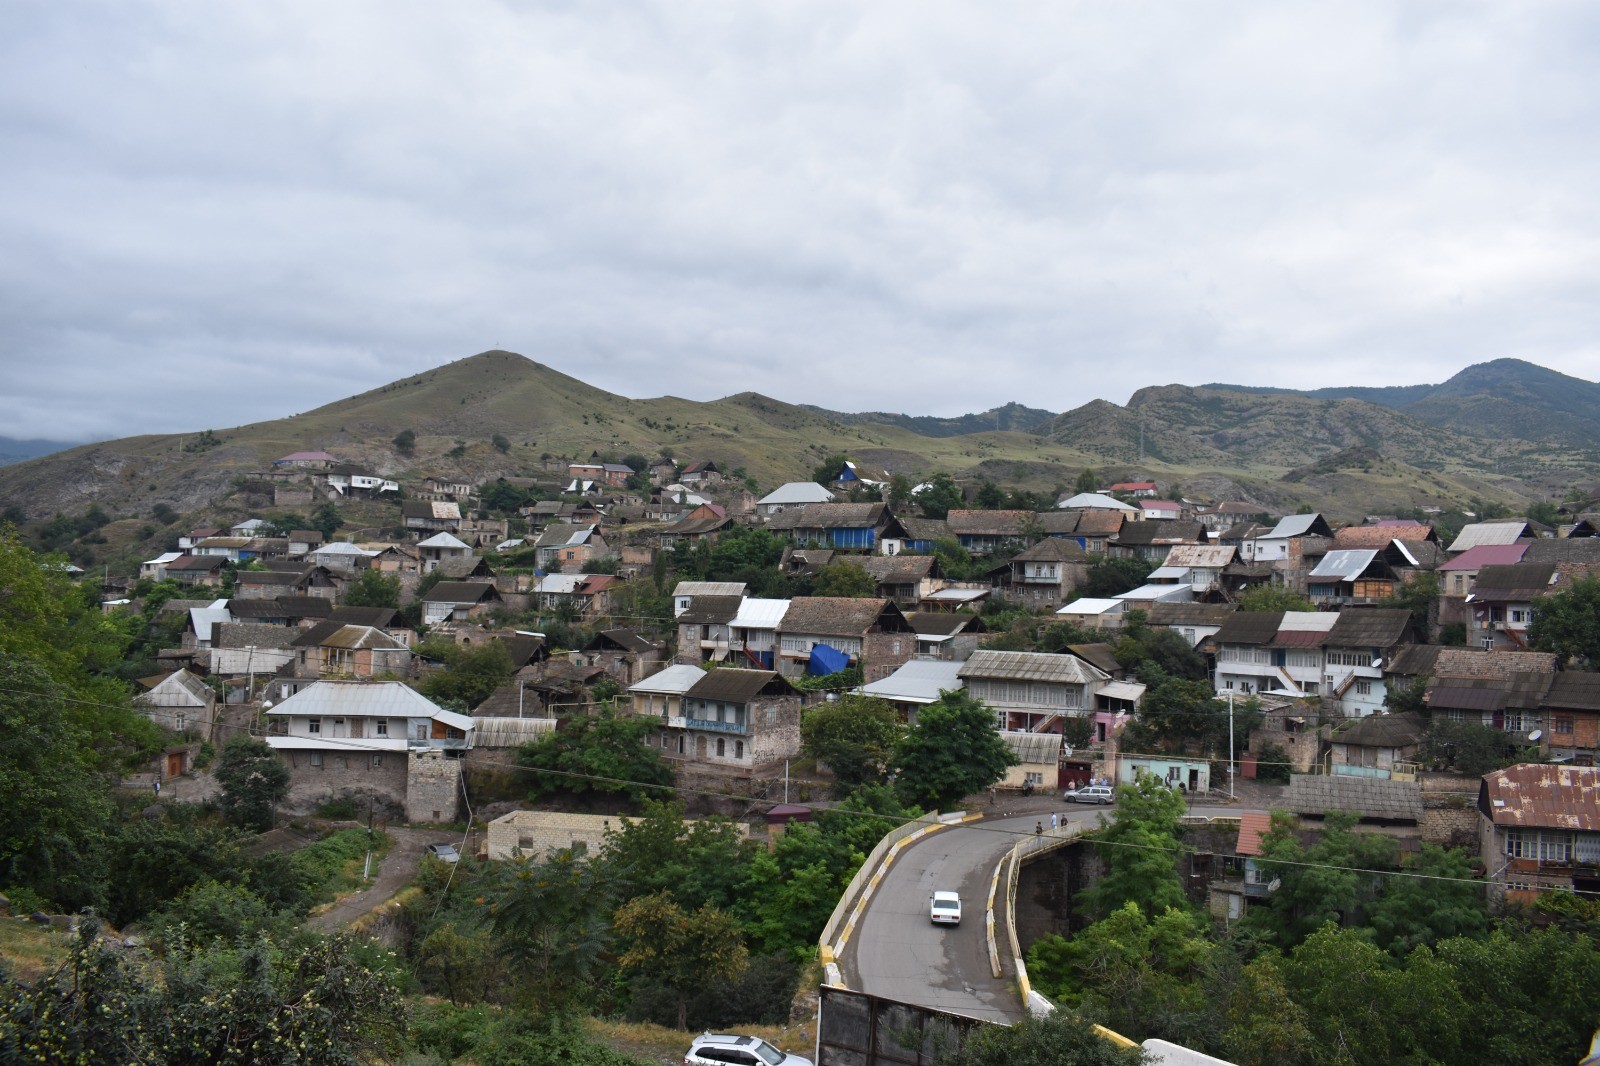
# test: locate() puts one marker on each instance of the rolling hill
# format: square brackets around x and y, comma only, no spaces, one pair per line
[1372,456]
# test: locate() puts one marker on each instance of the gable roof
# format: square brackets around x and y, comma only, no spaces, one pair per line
[831,516]
[1563,550]
[1370,627]
[1098,655]
[1476,533]
[1368,797]
[1250,627]
[1382,731]
[918,681]
[627,640]
[988,523]
[929,529]
[737,685]
[708,588]
[1572,690]
[1343,565]
[796,492]
[896,569]
[1515,583]
[1167,531]
[1189,614]
[1380,536]
[1031,666]
[1299,525]
[1542,796]
[348,699]
[1100,523]
[944,623]
[675,680]
[444,540]
[436,510]
[1053,550]
[710,610]
[841,616]
[1096,501]
[461,592]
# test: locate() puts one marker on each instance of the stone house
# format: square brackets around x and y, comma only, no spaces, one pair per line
[855,527]
[1032,692]
[871,633]
[624,654]
[984,532]
[735,720]
[438,548]
[457,601]
[1540,830]
[337,649]
[1046,574]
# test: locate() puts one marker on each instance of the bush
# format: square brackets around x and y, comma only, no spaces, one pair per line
[763,995]
[342,808]
[1272,764]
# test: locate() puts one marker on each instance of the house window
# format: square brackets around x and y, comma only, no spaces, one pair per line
[680,743]
[722,747]
[1562,725]
[1034,779]
[1488,644]
[316,759]
[377,760]
[738,749]
[381,727]
[1363,688]
[314,725]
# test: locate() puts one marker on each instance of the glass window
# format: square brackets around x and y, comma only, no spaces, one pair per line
[316,759]
[313,725]
[381,727]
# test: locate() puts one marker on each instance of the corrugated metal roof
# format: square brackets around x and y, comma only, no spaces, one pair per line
[1033,748]
[918,681]
[1345,564]
[758,613]
[1089,606]
[1573,690]
[796,492]
[1253,825]
[1031,666]
[443,540]
[376,699]
[1295,525]
[1542,796]
[1146,593]
[710,610]
[1477,533]
[675,680]
[1482,555]
[1095,501]
[1308,621]
[709,588]
[1131,691]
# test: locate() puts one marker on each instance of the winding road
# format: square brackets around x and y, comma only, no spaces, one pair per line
[898,953]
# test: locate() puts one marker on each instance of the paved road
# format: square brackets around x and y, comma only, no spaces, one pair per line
[899,953]
[399,867]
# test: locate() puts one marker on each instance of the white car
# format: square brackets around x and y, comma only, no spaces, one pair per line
[945,908]
[444,852]
[728,1049]
[1091,794]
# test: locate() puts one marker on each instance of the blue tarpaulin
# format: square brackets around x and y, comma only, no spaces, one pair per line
[826,660]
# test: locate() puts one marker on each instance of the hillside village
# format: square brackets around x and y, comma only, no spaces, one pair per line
[1380,661]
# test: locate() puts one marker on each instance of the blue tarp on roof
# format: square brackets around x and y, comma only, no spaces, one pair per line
[826,660]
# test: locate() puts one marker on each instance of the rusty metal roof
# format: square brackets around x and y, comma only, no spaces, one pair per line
[1542,796]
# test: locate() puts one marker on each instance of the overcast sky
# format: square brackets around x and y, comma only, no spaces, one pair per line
[213,214]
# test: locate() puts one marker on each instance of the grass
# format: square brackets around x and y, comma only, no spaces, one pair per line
[29,951]
[337,859]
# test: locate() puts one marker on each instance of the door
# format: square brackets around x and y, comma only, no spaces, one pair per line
[174,763]
[1194,780]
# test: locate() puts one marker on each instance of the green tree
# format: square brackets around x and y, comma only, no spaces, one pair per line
[1318,884]
[1420,596]
[938,496]
[698,863]
[374,588]
[601,752]
[952,751]
[1141,974]
[824,472]
[405,442]
[1568,623]
[680,949]
[988,497]
[326,520]
[855,737]
[500,444]
[1433,898]
[1264,1024]
[1273,598]
[1140,849]
[1113,577]
[1472,748]
[844,579]
[473,672]
[254,781]
[899,492]
[1086,482]
[1057,1039]
[551,921]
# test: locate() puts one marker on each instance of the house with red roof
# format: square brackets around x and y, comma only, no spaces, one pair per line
[1135,488]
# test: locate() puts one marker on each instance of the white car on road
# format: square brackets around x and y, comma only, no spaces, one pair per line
[945,908]
[1091,794]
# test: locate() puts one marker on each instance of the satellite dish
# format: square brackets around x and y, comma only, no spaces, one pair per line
[1536,734]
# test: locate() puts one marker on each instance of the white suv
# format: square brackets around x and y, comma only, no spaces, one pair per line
[725,1049]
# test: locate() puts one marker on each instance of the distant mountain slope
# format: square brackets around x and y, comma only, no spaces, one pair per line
[1503,398]
[16,451]
[1012,416]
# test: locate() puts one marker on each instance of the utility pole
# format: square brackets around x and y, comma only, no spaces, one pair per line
[1232,791]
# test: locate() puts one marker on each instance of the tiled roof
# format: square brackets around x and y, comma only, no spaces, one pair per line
[896,569]
[1367,797]
[1379,536]
[924,528]
[739,686]
[1099,523]
[1413,660]
[1563,550]
[251,634]
[1054,523]
[1250,627]
[1369,627]
[988,523]
[313,636]
[1543,796]
[1030,666]
[1382,731]
[1476,662]
[1175,531]
[1053,550]
[830,516]
[839,616]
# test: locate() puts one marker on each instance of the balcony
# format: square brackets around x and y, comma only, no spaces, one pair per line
[713,726]
[674,721]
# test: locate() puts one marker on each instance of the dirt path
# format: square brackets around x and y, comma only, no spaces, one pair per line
[399,867]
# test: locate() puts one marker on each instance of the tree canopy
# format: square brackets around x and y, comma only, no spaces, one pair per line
[953,750]
[1568,623]
[854,737]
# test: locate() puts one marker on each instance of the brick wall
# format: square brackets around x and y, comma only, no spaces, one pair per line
[774,729]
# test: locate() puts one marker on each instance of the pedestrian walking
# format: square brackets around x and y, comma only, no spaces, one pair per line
[1038,829]
[1054,821]
[158,786]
